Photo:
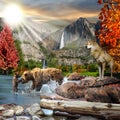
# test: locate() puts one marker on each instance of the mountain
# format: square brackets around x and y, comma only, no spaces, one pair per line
[79,31]
[72,36]
[66,42]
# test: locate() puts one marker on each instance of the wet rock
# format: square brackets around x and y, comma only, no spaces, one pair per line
[2,108]
[47,112]
[36,118]
[45,89]
[39,113]
[8,113]
[75,76]
[18,110]
[49,88]
[22,118]
[33,109]
[48,118]
[53,85]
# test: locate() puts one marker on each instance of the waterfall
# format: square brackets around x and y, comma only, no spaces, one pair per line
[44,64]
[62,43]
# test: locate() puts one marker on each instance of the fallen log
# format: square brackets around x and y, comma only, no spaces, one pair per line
[107,110]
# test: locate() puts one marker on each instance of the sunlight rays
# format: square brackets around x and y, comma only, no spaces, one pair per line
[13,14]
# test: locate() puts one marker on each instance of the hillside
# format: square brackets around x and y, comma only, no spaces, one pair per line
[67,42]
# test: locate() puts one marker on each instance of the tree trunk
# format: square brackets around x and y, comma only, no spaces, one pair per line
[83,107]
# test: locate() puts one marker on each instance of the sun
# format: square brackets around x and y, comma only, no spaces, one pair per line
[13,14]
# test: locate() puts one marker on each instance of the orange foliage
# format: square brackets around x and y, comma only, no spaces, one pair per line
[109,32]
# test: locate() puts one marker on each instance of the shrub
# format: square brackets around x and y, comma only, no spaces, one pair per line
[92,68]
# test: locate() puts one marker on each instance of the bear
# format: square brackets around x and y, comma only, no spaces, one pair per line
[41,76]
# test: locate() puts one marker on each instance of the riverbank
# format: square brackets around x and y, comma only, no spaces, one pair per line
[34,112]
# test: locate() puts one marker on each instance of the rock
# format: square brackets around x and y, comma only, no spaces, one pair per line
[53,96]
[22,118]
[49,88]
[88,81]
[18,110]
[47,112]
[2,108]
[45,89]
[62,90]
[106,81]
[48,118]
[113,92]
[107,94]
[75,76]
[8,113]
[36,118]
[39,113]
[97,95]
[53,85]
[33,109]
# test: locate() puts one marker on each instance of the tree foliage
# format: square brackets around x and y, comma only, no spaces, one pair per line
[109,32]
[8,53]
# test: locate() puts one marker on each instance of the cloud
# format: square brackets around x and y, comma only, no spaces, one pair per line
[59,9]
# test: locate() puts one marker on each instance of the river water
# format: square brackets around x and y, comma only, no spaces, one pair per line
[24,97]
[8,96]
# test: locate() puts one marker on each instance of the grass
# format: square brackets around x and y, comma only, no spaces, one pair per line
[95,74]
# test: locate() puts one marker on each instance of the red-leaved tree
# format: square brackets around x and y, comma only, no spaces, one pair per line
[109,32]
[8,53]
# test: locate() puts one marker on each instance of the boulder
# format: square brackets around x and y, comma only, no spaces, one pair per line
[107,90]
[70,90]
[88,81]
[107,94]
[75,76]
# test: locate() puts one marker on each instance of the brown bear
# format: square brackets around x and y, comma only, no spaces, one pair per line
[41,76]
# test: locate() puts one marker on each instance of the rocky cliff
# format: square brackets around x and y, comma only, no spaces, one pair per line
[71,44]
[67,43]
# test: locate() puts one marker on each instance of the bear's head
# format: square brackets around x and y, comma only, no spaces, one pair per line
[27,76]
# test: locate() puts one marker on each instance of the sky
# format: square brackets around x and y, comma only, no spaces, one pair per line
[53,10]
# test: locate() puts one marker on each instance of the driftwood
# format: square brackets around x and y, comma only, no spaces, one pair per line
[105,110]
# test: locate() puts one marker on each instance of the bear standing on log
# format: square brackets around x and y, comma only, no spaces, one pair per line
[41,76]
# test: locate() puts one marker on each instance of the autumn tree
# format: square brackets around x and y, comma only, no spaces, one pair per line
[109,32]
[8,53]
